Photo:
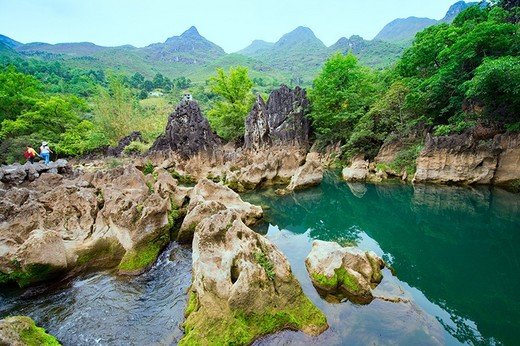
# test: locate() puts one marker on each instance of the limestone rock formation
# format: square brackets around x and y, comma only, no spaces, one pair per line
[208,198]
[309,174]
[56,224]
[357,171]
[281,121]
[264,168]
[21,331]
[456,159]
[508,168]
[17,173]
[187,132]
[339,272]
[243,287]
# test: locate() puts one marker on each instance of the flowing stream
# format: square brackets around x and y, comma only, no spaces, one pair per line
[454,251]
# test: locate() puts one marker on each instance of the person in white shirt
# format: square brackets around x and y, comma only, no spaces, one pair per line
[45,152]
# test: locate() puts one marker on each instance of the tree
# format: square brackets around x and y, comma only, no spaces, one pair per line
[115,110]
[228,115]
[342,94]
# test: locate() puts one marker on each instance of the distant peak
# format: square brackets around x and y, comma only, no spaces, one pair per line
[191,32]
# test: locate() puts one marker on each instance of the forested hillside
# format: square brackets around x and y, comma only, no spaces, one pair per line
[454,77]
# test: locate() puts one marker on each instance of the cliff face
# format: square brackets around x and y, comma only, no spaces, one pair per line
[279,122]
[462,159]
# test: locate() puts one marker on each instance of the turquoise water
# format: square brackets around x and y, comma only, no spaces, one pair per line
[454,251]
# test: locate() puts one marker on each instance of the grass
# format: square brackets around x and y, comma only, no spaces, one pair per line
[264,261]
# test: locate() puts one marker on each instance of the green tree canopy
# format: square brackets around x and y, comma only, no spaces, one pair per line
[228,115]
[342,93]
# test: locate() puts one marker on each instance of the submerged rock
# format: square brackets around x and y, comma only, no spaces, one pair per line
[339,272]
[243,287]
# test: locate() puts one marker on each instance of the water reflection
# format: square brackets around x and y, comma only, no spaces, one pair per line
[456,245]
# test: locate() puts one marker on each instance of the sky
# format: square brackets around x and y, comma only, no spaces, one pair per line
[231,24]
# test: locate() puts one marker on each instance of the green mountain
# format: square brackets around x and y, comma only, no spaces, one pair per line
[375,53]
[8,42]
[295,59]
[403,31]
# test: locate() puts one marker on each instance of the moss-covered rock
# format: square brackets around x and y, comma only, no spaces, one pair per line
[21,331]
[343,272]
[243,287]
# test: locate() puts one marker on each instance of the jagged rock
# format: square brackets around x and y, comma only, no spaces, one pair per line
[241,281]
[21,331]
[17,173]
[187,132]
[109,215]
[357,171]
[254,169]
[344,272]
[309,174]
[281,122]
[208,198]
[123,143]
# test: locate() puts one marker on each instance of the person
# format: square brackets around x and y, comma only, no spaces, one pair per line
[30,153]
[45,152]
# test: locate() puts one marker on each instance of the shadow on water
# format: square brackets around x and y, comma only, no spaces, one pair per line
[457,247]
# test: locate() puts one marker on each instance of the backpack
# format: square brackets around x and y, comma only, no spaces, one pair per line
[28,155]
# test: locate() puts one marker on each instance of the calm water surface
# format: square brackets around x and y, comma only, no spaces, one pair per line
[454,251]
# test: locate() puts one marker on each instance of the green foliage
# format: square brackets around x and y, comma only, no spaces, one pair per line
[137,148]
[455,71]
[236,99]
[406,159]
[342,94]
[144,255]
[148,168]
[264,261]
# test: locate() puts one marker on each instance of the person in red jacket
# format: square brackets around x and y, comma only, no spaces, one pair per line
[30,153]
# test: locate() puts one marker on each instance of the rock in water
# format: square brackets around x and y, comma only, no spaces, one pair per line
[243,287]
[281,122]
[341,272]
[187,132]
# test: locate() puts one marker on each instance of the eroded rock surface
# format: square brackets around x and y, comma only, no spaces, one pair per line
[208,198]
[309,174]
[243,287]
[339,272]
[18,173]
[187,132]
[281,121]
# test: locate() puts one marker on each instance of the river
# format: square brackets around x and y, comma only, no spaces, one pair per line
[454,251]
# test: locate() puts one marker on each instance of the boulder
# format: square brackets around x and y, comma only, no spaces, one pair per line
[508,168]
[243,287]
[208,198]
[357,171]
[281,121]
[187,132]
[17,174]
[22,331]
[343,272]
[309,174]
